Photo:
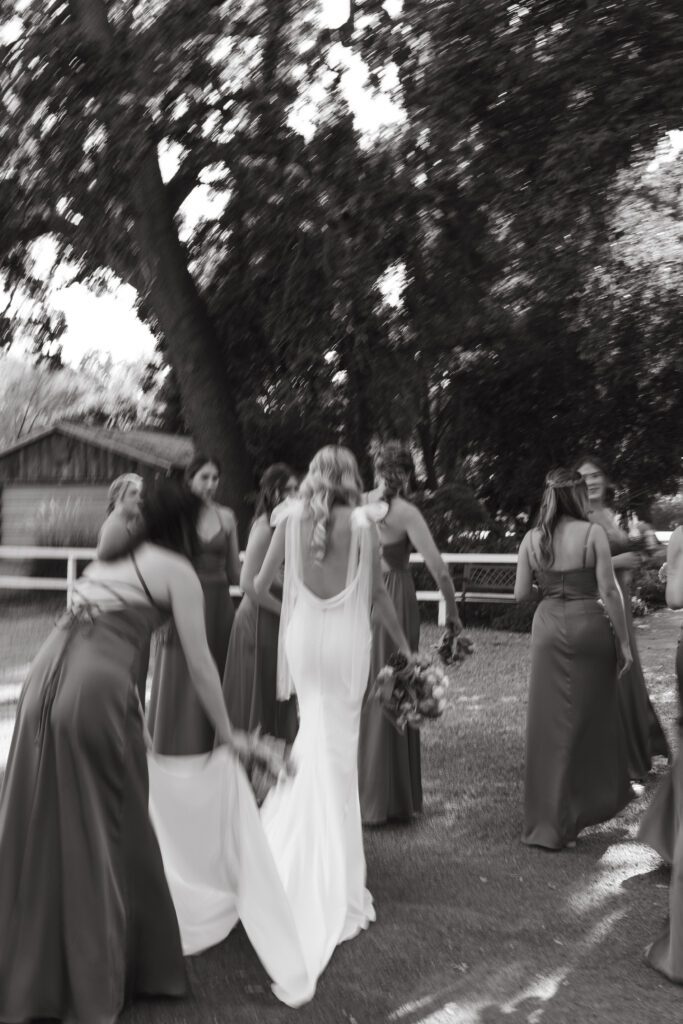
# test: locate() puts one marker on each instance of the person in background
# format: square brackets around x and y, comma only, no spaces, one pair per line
[576,770]
[123,522]
[177,720]
[662,824]
[642,728]
[249,680]
[389,768]
[123,515]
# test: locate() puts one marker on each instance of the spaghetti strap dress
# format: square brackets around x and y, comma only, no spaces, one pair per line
[86,917]
[576,771]
[177,720]
[389,769]
[249,681]
[643,731]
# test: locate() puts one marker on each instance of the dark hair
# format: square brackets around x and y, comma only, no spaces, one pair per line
[200,459]
[271,485]
[394,463]
[599,465]
[565,494]
[169,514]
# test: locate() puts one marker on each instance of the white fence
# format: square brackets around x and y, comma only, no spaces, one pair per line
[74,555]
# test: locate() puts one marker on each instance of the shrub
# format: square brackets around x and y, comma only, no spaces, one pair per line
[647,588]
[667,513]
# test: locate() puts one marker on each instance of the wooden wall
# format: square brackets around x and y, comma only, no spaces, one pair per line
[60,460]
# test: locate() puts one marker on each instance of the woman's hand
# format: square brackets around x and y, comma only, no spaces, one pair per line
[624,658]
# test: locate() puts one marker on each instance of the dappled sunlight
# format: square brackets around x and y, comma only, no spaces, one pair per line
[617,864]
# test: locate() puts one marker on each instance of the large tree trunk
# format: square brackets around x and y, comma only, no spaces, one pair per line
[193,346]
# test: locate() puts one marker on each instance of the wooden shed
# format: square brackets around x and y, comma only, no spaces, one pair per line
[70,465]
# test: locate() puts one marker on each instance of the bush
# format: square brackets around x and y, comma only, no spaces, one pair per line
[647,589]
[61,524]
[667,513]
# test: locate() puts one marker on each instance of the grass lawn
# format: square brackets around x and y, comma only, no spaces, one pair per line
[472,927]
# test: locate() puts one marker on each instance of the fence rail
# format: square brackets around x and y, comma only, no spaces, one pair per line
[72,556]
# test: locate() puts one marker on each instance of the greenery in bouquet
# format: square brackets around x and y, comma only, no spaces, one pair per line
[411,690]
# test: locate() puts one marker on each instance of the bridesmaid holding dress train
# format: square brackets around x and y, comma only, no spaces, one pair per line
[249,681]
[642,728]
[389,768]
[177,720]
[86,916]
[576,773]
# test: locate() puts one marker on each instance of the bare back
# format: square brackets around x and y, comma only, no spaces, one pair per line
[328,578]
[571,546]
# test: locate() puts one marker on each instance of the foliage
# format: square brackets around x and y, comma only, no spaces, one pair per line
[647,589]
[666,513]
[469,279]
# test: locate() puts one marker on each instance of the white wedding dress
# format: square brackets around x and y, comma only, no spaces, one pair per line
[312,822]
[295,877]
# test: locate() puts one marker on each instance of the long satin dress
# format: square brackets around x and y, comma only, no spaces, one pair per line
[389,770]
[662,829]
[643,731]
[177,720]
[576,770]
[86,916]
[249,681]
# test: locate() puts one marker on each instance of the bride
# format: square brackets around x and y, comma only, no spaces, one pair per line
[333,577]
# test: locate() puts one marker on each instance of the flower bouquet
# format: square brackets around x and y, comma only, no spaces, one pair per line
[410,691]
[452,648]
[264,762]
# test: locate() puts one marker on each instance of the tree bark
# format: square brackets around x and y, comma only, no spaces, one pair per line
[193,346]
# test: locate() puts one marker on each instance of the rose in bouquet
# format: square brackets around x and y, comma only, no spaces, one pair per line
[411,690]
[454,647]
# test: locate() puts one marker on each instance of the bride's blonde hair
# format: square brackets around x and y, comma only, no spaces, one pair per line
[332,479]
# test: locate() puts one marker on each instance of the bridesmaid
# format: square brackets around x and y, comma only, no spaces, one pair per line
[176,718]
[576,772]
[642,728]
[123,515]
[389,762]
[123,522]
[249,681]
[662,825]
[86,916]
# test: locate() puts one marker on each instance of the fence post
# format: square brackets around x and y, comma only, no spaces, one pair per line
[70,578]
[442,612]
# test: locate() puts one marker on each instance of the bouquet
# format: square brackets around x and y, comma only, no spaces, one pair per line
[454,648]
[264,763]
[410,691]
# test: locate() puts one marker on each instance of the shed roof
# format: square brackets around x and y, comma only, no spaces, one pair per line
[152,447]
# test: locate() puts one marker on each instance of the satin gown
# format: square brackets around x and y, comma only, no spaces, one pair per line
[576,770]
[176,719]
[250,674]
[643,732]
[389,769]
[312,822]
[86,916]
[662,829]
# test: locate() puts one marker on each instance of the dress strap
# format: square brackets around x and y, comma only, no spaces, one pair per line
[585,545]
[142,581]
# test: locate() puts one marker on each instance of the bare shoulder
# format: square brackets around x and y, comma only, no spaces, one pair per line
[261,530]
[403,512]
[227,517]
[153,557]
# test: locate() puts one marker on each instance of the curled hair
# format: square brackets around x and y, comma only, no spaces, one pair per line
[333,479]
[200,459]
[272,485]
[119,487]
[610,488]
[394,463]
[565,494]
